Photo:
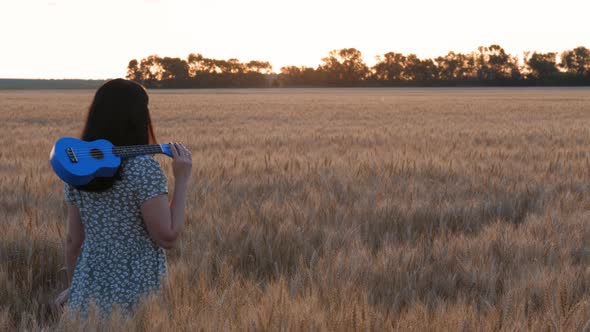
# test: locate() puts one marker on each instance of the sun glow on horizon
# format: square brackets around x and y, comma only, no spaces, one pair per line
[89,39]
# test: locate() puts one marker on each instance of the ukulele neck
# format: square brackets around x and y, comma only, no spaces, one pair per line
[138,150]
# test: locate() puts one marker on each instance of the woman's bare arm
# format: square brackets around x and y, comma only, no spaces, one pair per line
[166,221]
[74,240]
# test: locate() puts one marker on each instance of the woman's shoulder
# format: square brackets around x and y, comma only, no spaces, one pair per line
[143,161]
[140,166]
[145,175]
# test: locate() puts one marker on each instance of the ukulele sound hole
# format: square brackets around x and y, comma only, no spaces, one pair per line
[96,154]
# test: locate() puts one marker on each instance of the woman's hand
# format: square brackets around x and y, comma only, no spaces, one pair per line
[182,162]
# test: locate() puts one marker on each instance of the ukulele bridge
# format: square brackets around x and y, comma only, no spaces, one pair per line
[71,155]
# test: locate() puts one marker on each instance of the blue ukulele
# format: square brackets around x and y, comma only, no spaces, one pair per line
[77,162]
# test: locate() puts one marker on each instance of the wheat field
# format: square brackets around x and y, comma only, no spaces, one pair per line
[332,209]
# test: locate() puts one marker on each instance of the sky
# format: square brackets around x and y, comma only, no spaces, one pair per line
[96,39]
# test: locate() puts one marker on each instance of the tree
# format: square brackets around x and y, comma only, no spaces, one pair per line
[576,61]
[389,67]
[291,75]
[230,66]
[543,65]
[174,68]
[455,66]
[151,68]
[299,76]
[493,63]
[195,64]
[211,65]
[419,70]
[345,66]
[234,66]
[133,72]
[262,67]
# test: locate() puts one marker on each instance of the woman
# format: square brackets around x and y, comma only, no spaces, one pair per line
[118,227]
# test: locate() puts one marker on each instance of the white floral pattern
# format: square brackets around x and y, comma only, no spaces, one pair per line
[118,261]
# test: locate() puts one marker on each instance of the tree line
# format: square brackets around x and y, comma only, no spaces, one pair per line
[487,66]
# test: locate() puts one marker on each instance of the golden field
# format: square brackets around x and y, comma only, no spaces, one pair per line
[332,209]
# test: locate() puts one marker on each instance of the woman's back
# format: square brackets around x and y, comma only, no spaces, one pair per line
[118,261]
[118,227]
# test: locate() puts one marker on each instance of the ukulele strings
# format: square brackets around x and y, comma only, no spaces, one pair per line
[139,150]
[94,156]
[99,152]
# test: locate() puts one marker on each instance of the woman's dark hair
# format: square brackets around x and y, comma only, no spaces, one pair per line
[119,113]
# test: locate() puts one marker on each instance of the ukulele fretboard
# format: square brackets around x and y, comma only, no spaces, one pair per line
[136,150]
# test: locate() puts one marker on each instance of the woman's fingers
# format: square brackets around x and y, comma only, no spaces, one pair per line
[183,150]
[174,149]
[180,151]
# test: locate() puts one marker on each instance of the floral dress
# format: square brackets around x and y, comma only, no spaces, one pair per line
[118,261]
